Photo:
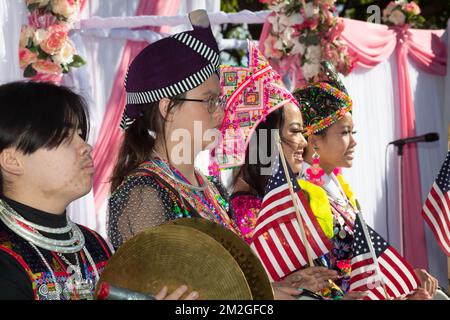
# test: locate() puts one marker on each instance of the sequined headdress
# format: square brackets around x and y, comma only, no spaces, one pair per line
[252,93]
[323,103]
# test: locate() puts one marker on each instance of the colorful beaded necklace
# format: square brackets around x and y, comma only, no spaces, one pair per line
[208,203]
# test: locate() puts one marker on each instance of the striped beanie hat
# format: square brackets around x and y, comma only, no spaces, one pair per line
[171,66]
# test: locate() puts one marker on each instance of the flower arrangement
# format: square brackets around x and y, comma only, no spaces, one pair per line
[401,12]
[309,30]
[45,49]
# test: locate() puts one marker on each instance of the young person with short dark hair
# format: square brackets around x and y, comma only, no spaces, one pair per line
[45,163]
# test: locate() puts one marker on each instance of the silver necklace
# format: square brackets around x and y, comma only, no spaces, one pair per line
[84,288]
[44,288]
[29,232]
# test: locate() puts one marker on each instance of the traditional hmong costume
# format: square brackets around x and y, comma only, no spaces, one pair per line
[253,92]
[156,192]
[45,256]
[323,104]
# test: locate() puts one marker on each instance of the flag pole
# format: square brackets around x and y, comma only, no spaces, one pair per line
[297,210]
[371,249]
[448,141]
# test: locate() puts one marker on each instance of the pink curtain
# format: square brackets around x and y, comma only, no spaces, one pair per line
[369,44]
[110,136]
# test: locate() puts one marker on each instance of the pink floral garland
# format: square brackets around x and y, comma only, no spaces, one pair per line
[307,31]
[401,12]
[45,49]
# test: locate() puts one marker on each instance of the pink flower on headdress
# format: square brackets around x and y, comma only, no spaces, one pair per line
[342,112]
[213,168]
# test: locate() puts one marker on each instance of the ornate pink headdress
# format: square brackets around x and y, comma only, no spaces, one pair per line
[252,93]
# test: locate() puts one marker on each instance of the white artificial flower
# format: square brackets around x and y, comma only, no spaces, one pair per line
[293,19]
[39,36]
[311,9]
[313,54]
[26,33]
[310,70]
[397,17]
[65,55]
[276,25]
[278,44]
[287,34]
[298,47]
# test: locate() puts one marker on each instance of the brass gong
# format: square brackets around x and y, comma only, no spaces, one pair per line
[173,255]
[249,263]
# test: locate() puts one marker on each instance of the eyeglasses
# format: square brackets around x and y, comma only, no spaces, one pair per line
[214,103]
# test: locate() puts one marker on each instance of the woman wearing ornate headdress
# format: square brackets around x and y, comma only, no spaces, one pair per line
[326,108]
[173,93]
[257,105]
[173,101]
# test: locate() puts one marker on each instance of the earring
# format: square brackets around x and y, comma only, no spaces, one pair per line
[315,172]
[152,133]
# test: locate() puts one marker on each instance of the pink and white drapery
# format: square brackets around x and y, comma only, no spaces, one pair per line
[369,44]
[110,136]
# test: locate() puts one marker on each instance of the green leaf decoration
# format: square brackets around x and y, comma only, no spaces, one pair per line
[77,61]
[29,71]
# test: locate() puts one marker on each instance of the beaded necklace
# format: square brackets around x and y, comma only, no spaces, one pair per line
[208,203]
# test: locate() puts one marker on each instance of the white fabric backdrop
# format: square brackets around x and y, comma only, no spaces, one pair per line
[12,15]
[374,93]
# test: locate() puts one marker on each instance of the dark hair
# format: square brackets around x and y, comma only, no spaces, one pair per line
[251,172]
[36,115]
[138,144]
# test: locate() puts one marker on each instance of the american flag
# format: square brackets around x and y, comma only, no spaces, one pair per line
[277,237]
[436,208]
[398,277]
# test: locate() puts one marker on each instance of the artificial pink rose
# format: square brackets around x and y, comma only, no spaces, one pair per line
[56,39]
[45,77]
[26,57]
[46,67]
[41,21]
[413,8]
